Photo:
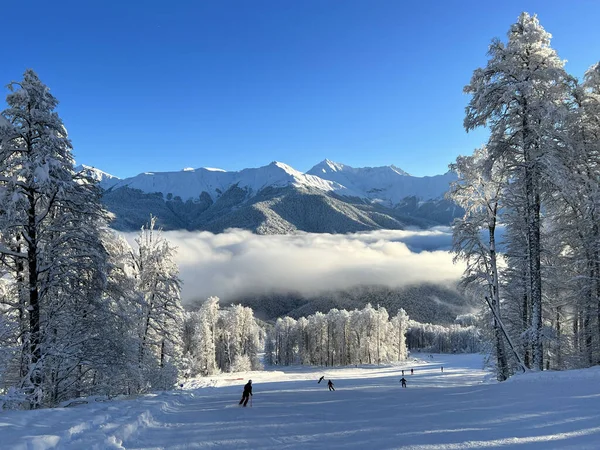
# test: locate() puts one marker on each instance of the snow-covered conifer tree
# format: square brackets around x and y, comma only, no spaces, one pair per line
[520,95]
[50,242]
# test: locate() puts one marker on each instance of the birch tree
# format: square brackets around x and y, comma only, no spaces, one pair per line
[478,191]
[161,313]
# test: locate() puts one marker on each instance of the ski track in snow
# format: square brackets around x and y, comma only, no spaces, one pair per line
[462,408]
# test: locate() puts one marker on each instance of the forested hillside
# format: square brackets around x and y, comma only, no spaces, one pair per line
[426,303]
[273,210]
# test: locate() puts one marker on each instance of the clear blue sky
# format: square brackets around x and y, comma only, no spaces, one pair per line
[162,85]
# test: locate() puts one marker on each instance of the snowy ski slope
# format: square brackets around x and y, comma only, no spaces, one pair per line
[462,408]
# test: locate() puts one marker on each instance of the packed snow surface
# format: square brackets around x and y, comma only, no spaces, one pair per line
[461,408]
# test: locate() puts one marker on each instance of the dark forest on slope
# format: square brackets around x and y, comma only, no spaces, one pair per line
[426,303]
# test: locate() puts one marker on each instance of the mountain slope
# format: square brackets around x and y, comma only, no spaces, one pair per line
[278,199]
[190,183]
[387,185]
[105,180]
[426,303]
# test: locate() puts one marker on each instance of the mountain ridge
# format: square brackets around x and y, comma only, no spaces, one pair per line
[273,199]
[327,176]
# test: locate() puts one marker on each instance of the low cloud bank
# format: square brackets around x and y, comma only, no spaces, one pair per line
[238,262]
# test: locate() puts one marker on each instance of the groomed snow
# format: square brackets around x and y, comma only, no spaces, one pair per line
[462,408]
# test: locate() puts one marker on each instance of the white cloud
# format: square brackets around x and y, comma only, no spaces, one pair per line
[238,262]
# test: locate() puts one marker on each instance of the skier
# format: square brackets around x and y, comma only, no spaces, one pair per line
[320,379]
[412,371]
[403,381]
[330,385]
[402,372]
[442,367]
[247,393]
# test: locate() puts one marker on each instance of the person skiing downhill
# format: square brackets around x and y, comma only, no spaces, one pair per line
[403,381]
[330,386]
[320,379]
[247,393]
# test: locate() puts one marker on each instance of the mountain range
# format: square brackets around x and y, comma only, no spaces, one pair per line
[277,199]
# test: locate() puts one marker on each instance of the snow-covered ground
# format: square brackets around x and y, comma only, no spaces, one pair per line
[457,409]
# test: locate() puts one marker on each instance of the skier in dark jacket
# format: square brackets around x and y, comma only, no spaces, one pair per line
[247,393]
[403,381]
[320,379]
[330,385]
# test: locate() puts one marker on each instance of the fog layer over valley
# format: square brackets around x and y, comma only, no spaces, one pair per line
[238,264]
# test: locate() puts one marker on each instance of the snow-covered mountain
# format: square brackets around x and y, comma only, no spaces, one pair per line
[276,198]
[190,183]
[105,180]
[388,185]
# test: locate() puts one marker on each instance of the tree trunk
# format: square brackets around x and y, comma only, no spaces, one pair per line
[576,330]
[502,361]
[558,338]
[587,332]
[525,325]
[535,270]
[23,325]
[35,348]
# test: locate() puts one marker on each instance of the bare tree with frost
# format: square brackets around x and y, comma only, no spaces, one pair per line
[160,311]
[478,191]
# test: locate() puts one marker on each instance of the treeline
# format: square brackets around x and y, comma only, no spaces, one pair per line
[81,311]
[340,337]
[538,176]
[419,302]
[456,338]
[216,339]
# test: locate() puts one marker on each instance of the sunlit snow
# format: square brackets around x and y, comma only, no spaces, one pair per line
[461,408]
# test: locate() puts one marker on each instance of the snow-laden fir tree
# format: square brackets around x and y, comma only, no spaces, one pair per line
[520,95]
[50,242]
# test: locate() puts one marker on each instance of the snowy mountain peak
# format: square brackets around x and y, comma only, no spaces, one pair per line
[287,169]
[399,171]
[386,185]
[105,180]
[329,166]
[326,166]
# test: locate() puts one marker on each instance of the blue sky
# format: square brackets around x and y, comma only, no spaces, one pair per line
[235,84]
